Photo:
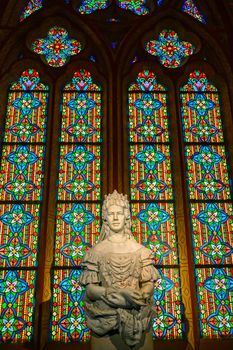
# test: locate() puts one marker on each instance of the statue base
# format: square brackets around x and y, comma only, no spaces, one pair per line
[114,342]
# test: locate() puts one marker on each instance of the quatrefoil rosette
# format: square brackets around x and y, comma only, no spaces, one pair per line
[57,47]
[171,51]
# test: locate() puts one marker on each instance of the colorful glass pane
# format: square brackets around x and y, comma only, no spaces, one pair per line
[151,177]
[17,305]
[216,317]
[89,6]
[209,189]
[207,172]
[19,225]
[78,205]
[212,233]
[154,226]
[21,181]
[191,9]
[202,117]
[68,320]
[168,306]
[170,50]
[21,174]
[153,222]
[138,7]
[32,6]
[57,47]
[77,229]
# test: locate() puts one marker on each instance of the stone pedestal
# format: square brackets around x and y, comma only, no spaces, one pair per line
[114,342]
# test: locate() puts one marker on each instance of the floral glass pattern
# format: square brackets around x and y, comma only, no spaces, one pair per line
[152,198]
[171,51]
[191,9]
[57,47]
[89,6]
[210,199]
[32,6]
[78,202]
[138,7]
[21,189]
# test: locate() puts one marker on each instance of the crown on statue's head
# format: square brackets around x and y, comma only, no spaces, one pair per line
[115,198]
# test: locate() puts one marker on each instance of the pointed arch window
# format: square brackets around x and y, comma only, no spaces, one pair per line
[152,196]
[78,202]
[21,195]
[210,201]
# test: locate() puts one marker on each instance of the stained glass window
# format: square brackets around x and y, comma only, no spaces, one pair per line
[152,196]
[78,202]
[57,47]
[191,9]
[32,6]
[210,201]
[21,189]
[138,7]
[90,6]
[171,51]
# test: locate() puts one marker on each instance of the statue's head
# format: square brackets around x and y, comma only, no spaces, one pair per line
[116,215]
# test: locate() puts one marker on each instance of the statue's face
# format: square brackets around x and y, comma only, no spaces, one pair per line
[116,218]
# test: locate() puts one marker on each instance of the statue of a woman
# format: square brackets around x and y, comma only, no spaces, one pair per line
[119,277]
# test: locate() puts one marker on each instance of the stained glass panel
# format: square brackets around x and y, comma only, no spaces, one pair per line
[138,7]
[89,6]
[152,199]
[32,6]
[21,181]
[212,233]
[148,120]
[19,227]
[211,210]
[191,9]
[154,226]
[78,202]
[57,47]
[21,172]
[207,172]
[17,305]
[68,321]
[170,49]
[201,117]
[28,118]
[77,229]
[168,308]
[215,298]
[79,173]
[82,125]
[151,177]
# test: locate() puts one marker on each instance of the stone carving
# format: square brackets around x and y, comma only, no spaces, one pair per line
[119,277]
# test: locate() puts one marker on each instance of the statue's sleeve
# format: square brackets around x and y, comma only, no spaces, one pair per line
[90,266]
[149,273]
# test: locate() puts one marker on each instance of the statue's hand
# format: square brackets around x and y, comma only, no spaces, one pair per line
[133,296]
[117,300]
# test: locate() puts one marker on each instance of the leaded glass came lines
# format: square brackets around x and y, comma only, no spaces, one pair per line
[21,189]
[152,198]
[210,199]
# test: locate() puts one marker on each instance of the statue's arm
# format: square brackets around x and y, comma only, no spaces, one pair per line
[95,291]
[147,290]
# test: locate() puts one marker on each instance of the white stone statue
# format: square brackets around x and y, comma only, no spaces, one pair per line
[119,277]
